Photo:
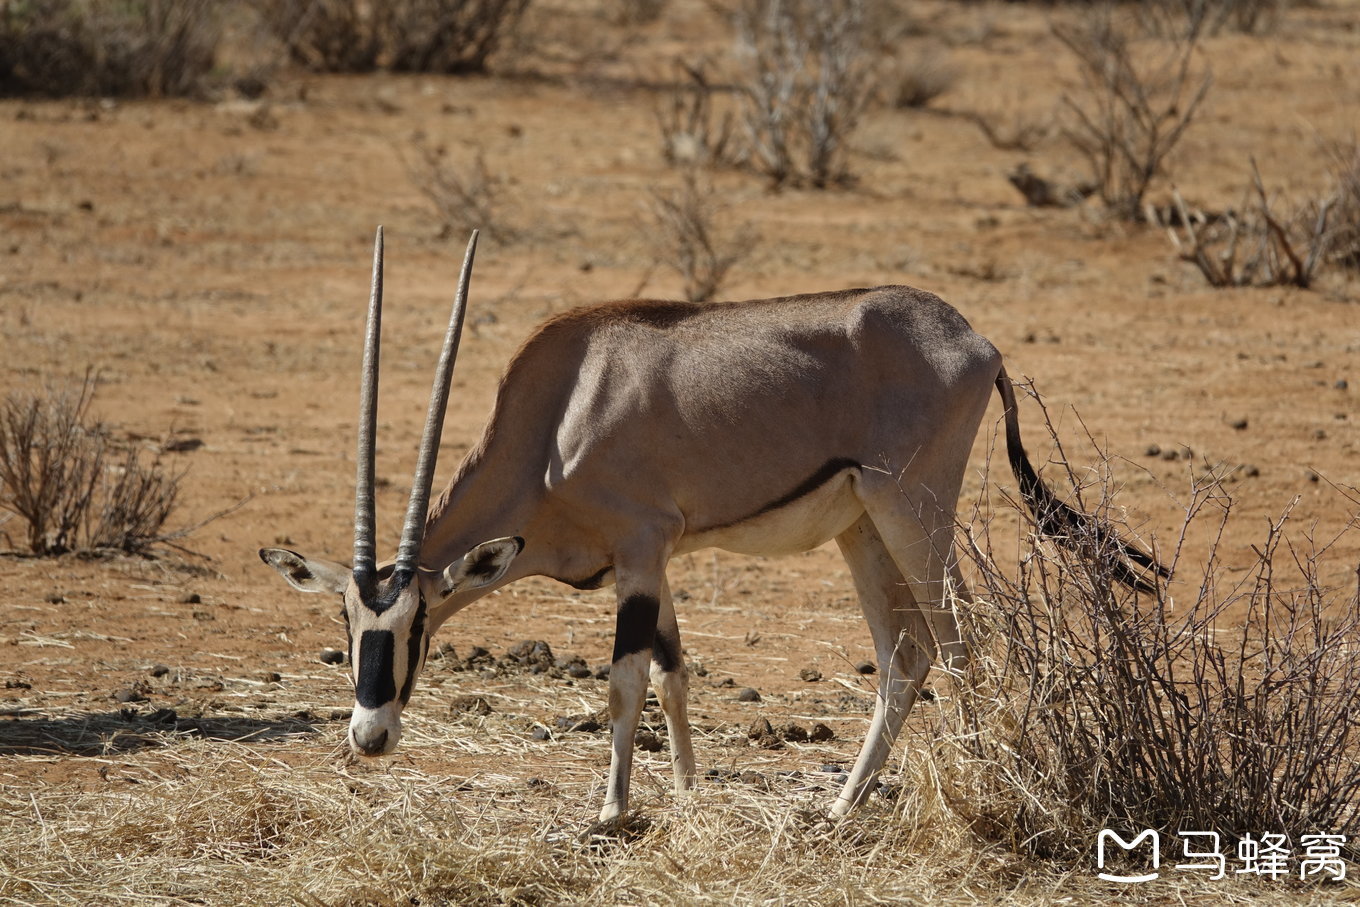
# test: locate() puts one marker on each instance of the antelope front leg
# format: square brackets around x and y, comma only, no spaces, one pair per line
[634,633]
[670,679]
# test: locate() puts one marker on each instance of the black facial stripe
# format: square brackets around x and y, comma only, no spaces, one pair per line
[385,596]
[415,644]
[635,627]
[666,652]
[374,686]
[594,581]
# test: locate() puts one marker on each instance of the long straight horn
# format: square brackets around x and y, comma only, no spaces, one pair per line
[413,532]
[364,559]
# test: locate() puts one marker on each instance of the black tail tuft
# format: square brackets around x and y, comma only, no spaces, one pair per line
[1057,520]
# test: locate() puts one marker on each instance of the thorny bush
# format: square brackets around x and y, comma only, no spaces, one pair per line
[74,490]
[1087,707]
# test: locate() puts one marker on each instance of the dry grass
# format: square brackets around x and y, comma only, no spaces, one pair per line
[253,798]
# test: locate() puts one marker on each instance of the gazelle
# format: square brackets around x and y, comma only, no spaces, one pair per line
[627,433]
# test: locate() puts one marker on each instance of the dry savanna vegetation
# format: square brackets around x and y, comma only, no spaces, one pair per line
[1153,209]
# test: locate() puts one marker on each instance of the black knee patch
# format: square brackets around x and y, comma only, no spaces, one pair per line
[635,628]
[666,652]
[375,686]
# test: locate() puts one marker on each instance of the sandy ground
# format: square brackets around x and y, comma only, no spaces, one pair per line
[209,261]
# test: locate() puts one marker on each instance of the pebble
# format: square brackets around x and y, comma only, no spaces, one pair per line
[821,733]
[648,742]
[810,675]
[749,694]
[866,667]
[159,670]
[333,656]
[129,695]
[273,677]
[541,733]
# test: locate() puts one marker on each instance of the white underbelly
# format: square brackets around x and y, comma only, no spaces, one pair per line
[801,525]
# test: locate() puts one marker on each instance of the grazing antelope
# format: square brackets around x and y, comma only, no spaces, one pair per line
[627,433]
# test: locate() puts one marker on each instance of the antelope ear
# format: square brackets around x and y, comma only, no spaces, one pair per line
[307,574]
[481,566]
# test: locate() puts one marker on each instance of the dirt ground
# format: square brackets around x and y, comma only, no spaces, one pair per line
[210,261]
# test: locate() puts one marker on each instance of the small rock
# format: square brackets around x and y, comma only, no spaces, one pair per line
[1311,476]
[18,685]
[748,694]
[1153,450]
[601,672]
[470,705]
[333,656]
[579,724]
[204,615]
[578,671]
[129,695]
[810,675]
[725,682]
[534,651]
[1342,384]
[1251,472]
[821,733]
[648,742]
[445,651]
[159,670]
[541,733]
[183,445]
[831,768]
[54,598]
[762,734]
[794,733]
[1170,454]
[191,598]
[698,669]
[866,667]
[1319,434]
[163,716]
[273,677]
[1239,424]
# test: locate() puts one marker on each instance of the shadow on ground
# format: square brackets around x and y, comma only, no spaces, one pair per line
[128,730]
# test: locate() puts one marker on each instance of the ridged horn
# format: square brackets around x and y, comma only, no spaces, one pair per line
[413,532]
[364,558]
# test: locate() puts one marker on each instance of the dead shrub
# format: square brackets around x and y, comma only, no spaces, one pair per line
[692,134]
[155,48]
[72,486]
[1191,19]
[806,75]
[1087,707]
[438,36]
[1257,247]
[1135,105]
[690,240]
[1344,232]
[465,193]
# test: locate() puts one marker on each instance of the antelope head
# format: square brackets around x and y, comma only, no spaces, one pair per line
[386,607]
